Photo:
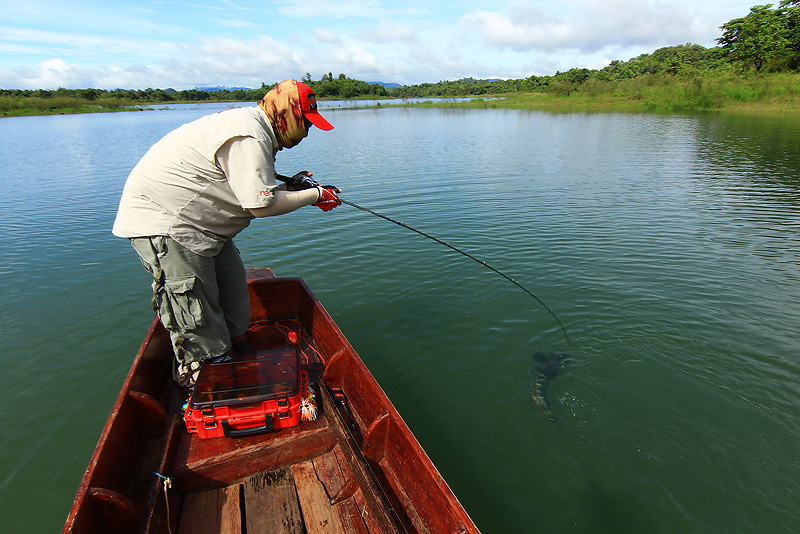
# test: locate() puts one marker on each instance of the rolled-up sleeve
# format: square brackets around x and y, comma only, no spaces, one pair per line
[250,169]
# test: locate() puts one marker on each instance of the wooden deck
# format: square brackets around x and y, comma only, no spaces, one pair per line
[314,496]
[311,478]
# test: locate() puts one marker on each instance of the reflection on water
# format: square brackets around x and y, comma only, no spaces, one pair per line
[668,246]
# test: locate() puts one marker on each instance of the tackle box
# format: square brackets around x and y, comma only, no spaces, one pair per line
[247,395]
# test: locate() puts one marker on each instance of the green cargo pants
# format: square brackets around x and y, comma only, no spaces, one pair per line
[202,301]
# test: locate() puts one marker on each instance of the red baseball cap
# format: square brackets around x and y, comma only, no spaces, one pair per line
[308,104]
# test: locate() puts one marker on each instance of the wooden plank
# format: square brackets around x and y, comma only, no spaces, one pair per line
[274,299]
[114,508]
[335,474]
[154,519]
[200,513]
[317,513]
[212,512]
[260,273]
[271,504]
[369,519]
[374,501]
[202,464]
[230,514]
[350,516]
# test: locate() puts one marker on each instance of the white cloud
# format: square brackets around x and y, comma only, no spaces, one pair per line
[388,31]
[135,77]
[88,47]
[592,26]
[54,73]
[238,63]
[354,56]
[327,36]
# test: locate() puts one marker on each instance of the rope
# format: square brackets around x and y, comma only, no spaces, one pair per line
[167,482]
[298,329]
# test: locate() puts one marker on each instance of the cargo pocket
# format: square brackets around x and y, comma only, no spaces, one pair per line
[179,307]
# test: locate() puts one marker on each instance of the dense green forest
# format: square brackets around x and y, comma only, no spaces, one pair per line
[765,43]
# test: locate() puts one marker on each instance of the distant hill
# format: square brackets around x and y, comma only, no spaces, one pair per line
[223,88]
[210,89]
[467,80]
[386,84]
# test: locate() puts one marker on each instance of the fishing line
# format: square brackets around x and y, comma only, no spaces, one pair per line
[473,258]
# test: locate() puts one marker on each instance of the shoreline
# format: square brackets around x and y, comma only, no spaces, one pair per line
[646,102]
[496,102]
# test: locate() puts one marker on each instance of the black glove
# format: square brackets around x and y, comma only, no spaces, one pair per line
[298,182]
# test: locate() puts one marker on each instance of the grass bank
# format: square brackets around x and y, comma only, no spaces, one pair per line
[659,93]
[16,106]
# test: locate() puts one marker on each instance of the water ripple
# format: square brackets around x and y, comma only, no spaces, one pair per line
[667,245]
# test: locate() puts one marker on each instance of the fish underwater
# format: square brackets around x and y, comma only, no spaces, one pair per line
[547,367]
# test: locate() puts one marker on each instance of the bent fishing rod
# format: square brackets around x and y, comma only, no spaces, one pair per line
[302,179]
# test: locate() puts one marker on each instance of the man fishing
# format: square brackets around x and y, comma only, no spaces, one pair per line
[196,189]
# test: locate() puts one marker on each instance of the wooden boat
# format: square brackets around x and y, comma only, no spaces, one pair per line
[356,468]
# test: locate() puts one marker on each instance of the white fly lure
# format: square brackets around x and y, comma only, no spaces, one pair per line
[308,406]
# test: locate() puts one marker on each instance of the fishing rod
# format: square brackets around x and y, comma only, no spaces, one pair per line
[470,256]
[303,180]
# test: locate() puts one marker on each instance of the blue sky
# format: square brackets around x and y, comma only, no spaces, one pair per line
[181,44]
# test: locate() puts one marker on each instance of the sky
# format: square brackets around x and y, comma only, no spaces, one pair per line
[182,44]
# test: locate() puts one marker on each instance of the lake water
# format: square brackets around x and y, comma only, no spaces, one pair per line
[668,245]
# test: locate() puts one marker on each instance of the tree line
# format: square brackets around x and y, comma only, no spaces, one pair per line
[340,87]
[344,87]
[765,40]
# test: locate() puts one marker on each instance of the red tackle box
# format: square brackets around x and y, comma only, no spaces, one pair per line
[247,395]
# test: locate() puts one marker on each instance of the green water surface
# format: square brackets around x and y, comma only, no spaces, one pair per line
[667,244]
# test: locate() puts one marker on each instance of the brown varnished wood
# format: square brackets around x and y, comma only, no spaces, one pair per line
[114,509]
[318,515]
[271,504]
[374,500]
[208,463]
[117,461]
[335,474]
[214,511]
[350,515]
[348,474]
[150,412]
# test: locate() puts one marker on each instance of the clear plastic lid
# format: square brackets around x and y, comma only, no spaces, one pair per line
[248,378]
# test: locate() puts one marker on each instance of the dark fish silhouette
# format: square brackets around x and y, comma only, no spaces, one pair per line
[547,367]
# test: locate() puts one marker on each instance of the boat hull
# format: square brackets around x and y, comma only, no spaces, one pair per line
[357,468]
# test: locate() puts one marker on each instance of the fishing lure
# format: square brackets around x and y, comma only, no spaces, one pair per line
[308,406]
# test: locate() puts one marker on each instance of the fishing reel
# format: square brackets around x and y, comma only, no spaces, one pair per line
[303,180]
